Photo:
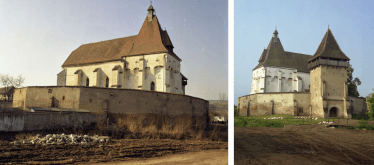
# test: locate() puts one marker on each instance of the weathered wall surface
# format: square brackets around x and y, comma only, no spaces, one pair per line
[296,103]
[124,101]
[10,121]
[111,100]
[61,97]
[19,98]
[316,92]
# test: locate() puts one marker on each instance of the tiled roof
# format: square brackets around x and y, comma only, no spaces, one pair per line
[275,55]
[329,48]
[148,41]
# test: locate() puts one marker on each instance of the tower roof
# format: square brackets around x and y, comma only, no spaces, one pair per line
[150,40]
[329,48]
[150,8]
[275,55]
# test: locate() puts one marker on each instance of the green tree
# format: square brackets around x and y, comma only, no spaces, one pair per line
[235,110]
[370,100]
[352,83]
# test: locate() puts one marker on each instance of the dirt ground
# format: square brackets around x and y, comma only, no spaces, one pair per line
[303,144]
[206,157]
[117,151]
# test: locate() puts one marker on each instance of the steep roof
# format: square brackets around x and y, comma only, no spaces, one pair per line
[148,41]
[329,48]
[275,55]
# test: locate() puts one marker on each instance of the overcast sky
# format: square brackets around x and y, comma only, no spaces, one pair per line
[37,36]
[301,26]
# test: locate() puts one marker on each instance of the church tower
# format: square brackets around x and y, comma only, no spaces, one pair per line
[328,80]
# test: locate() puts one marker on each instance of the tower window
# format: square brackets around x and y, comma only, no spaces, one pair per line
[153,86]
[107,82]
[87,82]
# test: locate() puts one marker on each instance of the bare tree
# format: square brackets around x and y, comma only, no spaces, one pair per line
[222,96]
[8,81]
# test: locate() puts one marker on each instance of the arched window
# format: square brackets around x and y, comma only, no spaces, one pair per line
[107,82]
[152,86]
[87,82]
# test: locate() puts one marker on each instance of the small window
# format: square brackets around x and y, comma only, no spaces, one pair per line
[301,110]
[152,86]
[107,82]
[63,97]
[87,82]
[49,90]
[90,100]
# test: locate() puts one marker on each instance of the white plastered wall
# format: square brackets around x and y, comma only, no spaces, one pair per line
[106,71]
[173,77]
[258,77]
[277,79]
[135,72]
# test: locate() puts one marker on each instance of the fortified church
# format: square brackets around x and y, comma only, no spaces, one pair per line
[136,76]
[145,61]
[298,84]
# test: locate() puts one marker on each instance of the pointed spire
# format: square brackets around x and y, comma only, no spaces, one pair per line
[150,13]
[275,35]
[329,48]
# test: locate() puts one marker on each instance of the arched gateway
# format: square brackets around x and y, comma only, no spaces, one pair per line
[333,112]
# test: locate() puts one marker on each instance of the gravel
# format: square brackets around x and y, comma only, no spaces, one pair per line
[64,139]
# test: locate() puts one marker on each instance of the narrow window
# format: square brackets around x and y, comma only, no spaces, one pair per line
[152,86]
[87,82]
[107,82]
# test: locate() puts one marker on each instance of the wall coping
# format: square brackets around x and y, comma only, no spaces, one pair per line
[276,93]
[137,90]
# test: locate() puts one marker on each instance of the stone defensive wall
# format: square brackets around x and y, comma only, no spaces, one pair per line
[284,103]
[12,120]
[114,102]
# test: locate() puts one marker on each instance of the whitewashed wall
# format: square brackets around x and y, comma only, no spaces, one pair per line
[276,79]
[135,72]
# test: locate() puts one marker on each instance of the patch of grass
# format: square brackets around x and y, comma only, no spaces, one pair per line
[359,116]
[259,121]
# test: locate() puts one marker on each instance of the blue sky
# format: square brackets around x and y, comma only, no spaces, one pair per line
[38,36]
[301,26]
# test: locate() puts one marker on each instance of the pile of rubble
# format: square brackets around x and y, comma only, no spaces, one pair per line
[324,122]
[275,118]
[302,117]
[64,139]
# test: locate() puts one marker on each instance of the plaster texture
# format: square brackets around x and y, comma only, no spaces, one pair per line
[279,79]
[133,72]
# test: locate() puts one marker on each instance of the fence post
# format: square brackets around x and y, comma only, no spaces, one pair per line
[338,120]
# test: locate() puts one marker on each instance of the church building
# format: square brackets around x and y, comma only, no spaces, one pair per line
[145,62]
[290,83]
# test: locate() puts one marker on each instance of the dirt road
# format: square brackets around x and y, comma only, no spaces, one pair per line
[304,144]
[121,150]
[207,157]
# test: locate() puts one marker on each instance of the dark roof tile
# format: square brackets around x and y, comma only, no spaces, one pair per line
[329,48]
